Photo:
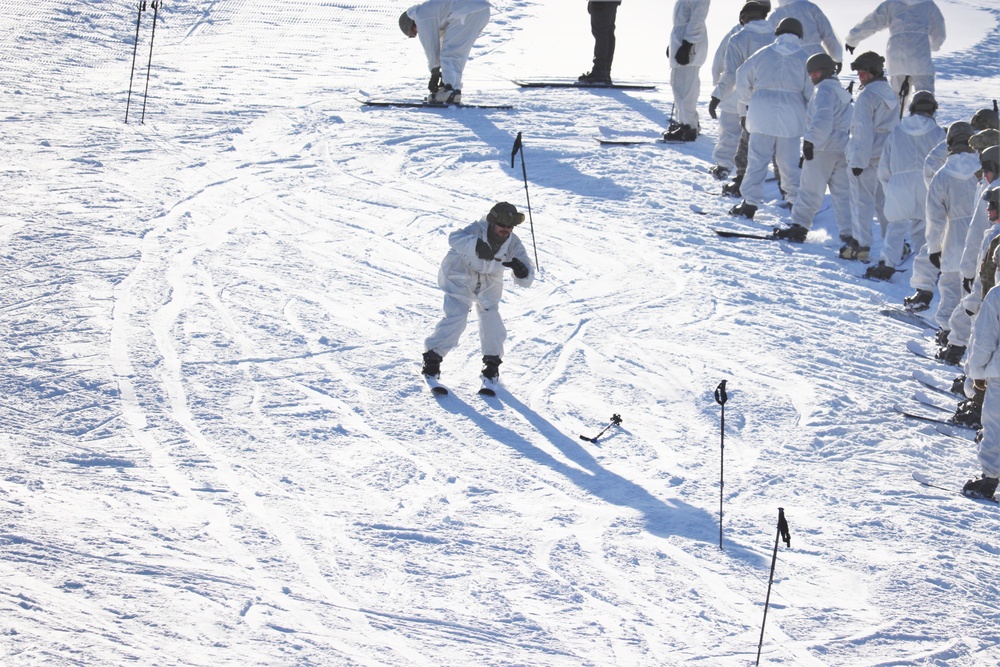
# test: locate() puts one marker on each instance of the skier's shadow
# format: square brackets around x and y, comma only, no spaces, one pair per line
[662,518]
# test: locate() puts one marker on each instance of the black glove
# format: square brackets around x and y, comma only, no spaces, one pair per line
[807,150]
[743,122]
[850,87]
[713,106]
[967,284]
[935,258]
[683,56]
[837,67]
[518,267]
[857,170]
[969,313]
[483,250]
[850,49]
[435,83]
[668,51]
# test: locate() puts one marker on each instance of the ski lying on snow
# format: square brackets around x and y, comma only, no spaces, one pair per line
[929,381]
[637,141]
[923,479]
[927,416]
[416,104]
[569,83]
[916,348]
[956,432]
[906,317]
[740,235]
[924,399]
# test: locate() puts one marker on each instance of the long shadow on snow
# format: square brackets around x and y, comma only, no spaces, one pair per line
[662,518]
[547,168]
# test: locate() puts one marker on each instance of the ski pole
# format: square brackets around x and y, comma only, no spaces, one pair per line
[514,151]
[135,49]
[145,96]
[721,398]
[782,534]
[616,420]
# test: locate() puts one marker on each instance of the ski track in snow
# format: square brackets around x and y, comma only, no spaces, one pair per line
[217,449]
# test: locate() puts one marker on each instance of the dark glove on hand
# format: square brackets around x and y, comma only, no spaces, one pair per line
[837,67]
[668,51]
[743,122]
[850,49]
[435,83]
[483,250]
[967,284]
[857,170]
[713,107]
[518,267]
[807,150]
[683,56]
[935,258]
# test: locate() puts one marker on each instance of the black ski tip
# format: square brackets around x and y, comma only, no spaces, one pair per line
[439,391]
[487,392]
[739,235]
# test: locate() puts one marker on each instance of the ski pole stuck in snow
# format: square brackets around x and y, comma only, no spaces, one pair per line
[135,49]
[149,65]
[721,398]
[616,420]
[782,534]
[519,148]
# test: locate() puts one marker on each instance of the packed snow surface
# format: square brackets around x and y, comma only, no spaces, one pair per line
[216,445]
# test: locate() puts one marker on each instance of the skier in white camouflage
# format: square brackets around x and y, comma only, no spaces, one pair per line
[900,171]
[876,113]
[916,28]
[828,121]
[472,274]
[687,52]
[773,89]
[951,200]
[447,30]
[983,368]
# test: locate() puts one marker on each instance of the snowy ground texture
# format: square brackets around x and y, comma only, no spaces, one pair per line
[216,447]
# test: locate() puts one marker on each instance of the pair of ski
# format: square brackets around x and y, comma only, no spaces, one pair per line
[540,83]
[488,389]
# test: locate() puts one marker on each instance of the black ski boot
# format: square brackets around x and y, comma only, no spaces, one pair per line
[432,363]
[491,367]
[951,354]
[880,271]
[941,336]
[853,250]
[678,133]
[983,487]
[743,209]
[918,302]
[958,385]
[732,189]
[719,172]
[795,233]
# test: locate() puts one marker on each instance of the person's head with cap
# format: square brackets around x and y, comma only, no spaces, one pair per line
[407,25]
[958,138]
[789,26]
[923,104]
[753,11]
[992,199]
[985,119]
[984,139]
[989,160]
[820,66]
[869,66]
[503,217]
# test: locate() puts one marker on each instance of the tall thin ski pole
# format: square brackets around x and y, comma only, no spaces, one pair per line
[514,151]
[145,96]
[721,398]
[135,50]
[784,535]
[904,90]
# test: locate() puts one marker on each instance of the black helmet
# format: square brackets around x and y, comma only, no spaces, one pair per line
[992,198]
[505,215]
[923,102]
[989,159]
[870,62]
[788,24]
[959,133]
[407,25]
[754,11]
[821,61]
[985,119]
[983,140]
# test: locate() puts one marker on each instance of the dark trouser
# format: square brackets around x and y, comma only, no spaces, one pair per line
[602,27]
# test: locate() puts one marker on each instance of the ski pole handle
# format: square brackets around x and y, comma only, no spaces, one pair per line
[720,393]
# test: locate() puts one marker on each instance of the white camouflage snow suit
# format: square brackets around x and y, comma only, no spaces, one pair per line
[447,29]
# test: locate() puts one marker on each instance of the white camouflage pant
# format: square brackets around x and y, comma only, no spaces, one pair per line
[867,201]
[492,332]
[950,290]
[685,83]
[724,152]
[827,168]
[786,151]
[989,447]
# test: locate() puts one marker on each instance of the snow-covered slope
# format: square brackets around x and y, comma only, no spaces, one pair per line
[216,446]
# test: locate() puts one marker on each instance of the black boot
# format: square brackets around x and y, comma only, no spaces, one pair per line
[880,271]
[984,487]
[795,233]
[491,367]
[918,302]
[732,189]
[743,209]
[432,363]
[951,354]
